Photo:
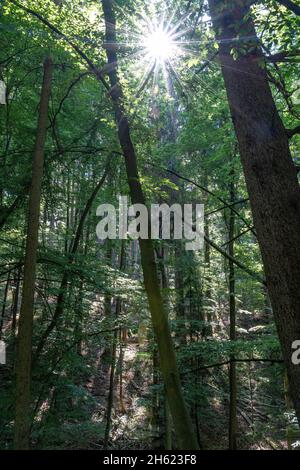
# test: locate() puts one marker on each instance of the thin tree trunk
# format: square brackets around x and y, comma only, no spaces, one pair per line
[24,346]
[6,212]
[66,274]
[232,316]
[168,426]
[122,347]
[107,307]
[182,422]
[270,174]
[110,400]
[67,235]
[4,304]
[179,290]
[121,362]
[78,307]
[78,318]
[208,330]
[15,302]
[155,402]
[167,416]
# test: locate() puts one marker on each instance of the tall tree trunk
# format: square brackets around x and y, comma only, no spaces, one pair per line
[269,171]
[182,423]
[110,400]
[155,402]
[122,345]
[78,313]
[232,335]
[167,431]
[15,300]
[208,330]
[107,307]
[79,307]
[24,346]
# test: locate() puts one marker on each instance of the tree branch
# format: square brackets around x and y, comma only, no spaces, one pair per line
[220,364]
[236,237]
[290,6]
[87,208]
[284,56]
[74,46]
[225,203]
[224,253]
[292,132]
[71,86]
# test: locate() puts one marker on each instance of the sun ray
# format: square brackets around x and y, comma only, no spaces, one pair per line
[154,43]
[170,21]
[179,23]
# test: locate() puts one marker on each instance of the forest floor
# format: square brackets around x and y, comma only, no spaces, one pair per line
[131,417]
[132,421]
[130,427]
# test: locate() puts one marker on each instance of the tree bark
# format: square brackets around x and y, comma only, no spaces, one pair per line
[181,419]
[269,171]
[24,346]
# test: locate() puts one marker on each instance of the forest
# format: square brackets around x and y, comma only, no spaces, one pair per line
[119,331]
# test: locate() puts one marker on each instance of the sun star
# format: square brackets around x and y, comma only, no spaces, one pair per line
[159,45]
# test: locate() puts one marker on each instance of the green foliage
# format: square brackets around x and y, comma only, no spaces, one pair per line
[180,121]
